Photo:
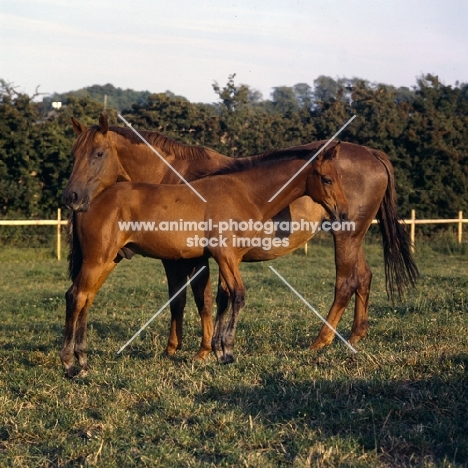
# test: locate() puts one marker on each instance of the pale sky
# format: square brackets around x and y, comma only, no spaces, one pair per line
[185,45]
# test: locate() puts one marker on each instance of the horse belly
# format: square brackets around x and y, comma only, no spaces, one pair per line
[170,245]
[303,216]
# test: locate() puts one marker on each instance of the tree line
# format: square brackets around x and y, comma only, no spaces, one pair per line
[424,130]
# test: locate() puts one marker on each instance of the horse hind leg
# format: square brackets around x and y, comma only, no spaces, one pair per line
[176,274]
[228,338]
[222,305]
[201,288]
[224,334]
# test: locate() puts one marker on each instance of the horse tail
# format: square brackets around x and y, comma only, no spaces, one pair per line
[75,255]
[401,271]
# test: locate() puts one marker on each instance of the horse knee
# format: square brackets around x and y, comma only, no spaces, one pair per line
[239,299]
[345,290]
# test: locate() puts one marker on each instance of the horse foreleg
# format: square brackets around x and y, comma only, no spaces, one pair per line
[176,273]
[80,347]
[346,284]
[203,295]
[78,300]
[73,308]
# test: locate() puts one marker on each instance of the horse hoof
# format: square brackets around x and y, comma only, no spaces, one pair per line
[353,339]
[170,352]
[227,359]
[317,345]
[202,355]
[71,372]
[218,352]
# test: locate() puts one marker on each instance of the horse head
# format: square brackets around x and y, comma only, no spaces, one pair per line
[325,187]
[95,164]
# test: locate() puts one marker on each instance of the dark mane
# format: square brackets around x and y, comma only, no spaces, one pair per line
[168,145]
[242,164]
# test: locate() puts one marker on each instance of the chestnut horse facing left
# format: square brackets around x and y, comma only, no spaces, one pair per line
[241,192]
[104,155]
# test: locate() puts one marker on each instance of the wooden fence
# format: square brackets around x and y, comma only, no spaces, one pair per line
[413,221]
[59,222]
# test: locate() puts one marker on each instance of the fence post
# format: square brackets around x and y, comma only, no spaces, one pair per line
[59,234]
[305,248]
[460,226]
[412,229]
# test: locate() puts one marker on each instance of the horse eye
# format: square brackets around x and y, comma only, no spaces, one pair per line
[326,180]
[99,154]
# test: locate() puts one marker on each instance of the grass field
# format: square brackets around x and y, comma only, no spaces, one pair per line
[402,400]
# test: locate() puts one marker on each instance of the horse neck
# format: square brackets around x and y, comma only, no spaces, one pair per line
[191,169]
[262,183]
[141,164]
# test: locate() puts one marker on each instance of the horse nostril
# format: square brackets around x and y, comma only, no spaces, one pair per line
[344,217]
[74,197]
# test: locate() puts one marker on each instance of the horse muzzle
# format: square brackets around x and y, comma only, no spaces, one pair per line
[338,215]
[74,201]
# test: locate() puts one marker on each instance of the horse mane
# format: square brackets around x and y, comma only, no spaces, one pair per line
[168,145]
[243,164]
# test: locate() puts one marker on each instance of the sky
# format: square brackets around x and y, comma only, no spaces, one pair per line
[184,46]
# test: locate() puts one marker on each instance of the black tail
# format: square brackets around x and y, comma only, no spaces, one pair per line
[401,271]
[75,255]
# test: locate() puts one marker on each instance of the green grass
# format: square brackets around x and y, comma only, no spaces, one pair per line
[401,401]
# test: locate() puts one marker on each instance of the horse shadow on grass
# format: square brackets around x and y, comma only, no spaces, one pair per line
[405,422]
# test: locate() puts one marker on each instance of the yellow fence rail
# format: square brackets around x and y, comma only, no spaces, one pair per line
[413,222]
[59,222]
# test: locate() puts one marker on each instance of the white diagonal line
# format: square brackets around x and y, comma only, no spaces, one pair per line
[161,309]
[157,152]
[313,310]
[312,158]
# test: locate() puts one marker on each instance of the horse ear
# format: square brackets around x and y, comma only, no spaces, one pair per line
[333,154]
[78,127]
[103,124]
